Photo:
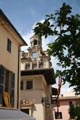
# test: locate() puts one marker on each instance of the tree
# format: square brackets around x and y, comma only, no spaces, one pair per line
[66,47]
[74,110]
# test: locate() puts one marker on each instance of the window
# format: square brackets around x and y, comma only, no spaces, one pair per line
[34,66]
[29,84]
[21,85]
[25,111]
[70,103]
[27,67]
[41,65]
[35,42]
[7,82]
[58,115]
[9,45]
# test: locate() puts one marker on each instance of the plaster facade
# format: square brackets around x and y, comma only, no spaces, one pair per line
[64,106]
[10,42]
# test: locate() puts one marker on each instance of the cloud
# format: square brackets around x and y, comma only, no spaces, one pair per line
[27,39]
[66,91]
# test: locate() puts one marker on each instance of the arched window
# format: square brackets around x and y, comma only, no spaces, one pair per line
[35,42]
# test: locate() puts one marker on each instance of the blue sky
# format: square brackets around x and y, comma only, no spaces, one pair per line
[23,14]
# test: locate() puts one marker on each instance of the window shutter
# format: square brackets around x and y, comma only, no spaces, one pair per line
[12,89]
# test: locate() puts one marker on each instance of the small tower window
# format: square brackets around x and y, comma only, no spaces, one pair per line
[41,65]
[34,66]
[27,67]
[35,42]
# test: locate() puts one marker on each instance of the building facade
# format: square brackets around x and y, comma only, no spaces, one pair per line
[37,76]
[10,43]
[65,101]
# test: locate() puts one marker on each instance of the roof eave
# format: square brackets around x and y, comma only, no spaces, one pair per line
[48,74]
[7,20]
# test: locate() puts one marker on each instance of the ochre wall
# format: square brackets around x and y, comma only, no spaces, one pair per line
[9,60]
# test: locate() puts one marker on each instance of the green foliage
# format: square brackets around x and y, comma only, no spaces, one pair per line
[74,111]
[66,47]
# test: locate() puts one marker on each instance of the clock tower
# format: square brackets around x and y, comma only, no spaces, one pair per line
[35,58]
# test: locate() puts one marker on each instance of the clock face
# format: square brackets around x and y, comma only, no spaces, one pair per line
[34,55]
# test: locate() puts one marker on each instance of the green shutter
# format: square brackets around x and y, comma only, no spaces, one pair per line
[2,78]
[12,89]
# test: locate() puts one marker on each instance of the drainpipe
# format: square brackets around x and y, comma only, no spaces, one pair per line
[18,81]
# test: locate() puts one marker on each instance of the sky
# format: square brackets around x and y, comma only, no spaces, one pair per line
[24,14]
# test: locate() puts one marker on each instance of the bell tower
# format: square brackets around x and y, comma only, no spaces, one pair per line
[35,41]
[36,57]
